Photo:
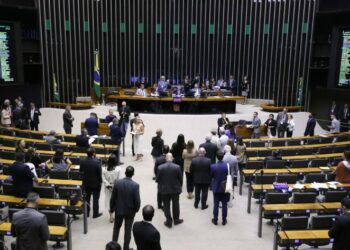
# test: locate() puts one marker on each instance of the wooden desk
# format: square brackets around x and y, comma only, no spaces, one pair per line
[55,182]
[303,235]
[302,157]
[183,104]
[63,105]
[102,129]
[5,228]
[245,132]
[272,108]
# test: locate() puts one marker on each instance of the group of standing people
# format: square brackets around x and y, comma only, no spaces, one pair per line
[283,126]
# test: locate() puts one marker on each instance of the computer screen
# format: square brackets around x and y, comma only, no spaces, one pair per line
[344,69]
[7,53]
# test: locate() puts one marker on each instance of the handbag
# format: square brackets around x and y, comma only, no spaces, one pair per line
[226,185]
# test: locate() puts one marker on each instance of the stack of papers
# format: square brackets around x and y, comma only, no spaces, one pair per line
[317,185]
[298,186]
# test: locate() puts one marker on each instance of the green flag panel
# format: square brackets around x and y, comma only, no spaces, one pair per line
[48,24]
[194,29]
[176,28]
[158,28]
[229,29]
[122,27]
[266,28]
[212,29]
[104,27]
[305,28]
[86,26]
[247,29]
[285,28]
[67,25]
[140,28]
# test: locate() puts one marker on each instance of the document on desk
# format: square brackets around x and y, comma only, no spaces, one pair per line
[298,186]
[333,184]
[317,185]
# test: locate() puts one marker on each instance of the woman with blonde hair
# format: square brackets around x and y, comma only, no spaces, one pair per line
[187,155]
[138,129]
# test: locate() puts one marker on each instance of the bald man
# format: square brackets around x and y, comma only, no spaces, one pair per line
[124,113]
[169,178]
[200,171]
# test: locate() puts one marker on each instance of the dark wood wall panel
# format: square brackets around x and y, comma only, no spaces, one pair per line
[267,40]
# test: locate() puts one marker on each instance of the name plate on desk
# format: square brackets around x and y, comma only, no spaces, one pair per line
[177,99]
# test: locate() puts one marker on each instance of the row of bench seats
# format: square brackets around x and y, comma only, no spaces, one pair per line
[292,178]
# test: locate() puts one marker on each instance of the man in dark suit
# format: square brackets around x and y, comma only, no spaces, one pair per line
[334,109]
[223,121]
[30,227]
[219,173]
[116,136]
[34,114]
[91,124]
[157,144]
[125,201]
[341,228]
[22,177]
[282,123]
[169,178]
[345,118]
[146,235]
[92,181]
[159,161]
[310,126]
[82,140]
[124,113]
[200,171]
[210,148]
[109,118]
[68,120]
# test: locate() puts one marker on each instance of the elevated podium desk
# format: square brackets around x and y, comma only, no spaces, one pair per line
[212,104]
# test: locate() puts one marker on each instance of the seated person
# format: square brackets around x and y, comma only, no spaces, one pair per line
[58,162]
[141,91]
[21,146]
[178,90]
[162,86]
[342,172]
[109,118]
[196,91]
[82,140]
[51,138]
[91,124]
[22,177]
[220,83]
[276,155]
[154,92]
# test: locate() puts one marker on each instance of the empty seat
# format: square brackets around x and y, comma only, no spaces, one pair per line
[315,163]
[8,143]
[66,192]
[251,153]
[80,150]
[313,141]
[257,144]
[294,223]
[334,196]
[37,136]
[325,150]
[69,138]
[278,143]
[62,175]
[289,152]
[306,151]
[339,149]
[7,132]
[335,161]
[275,164]
[315,177]
[6,170]
[43,146]
[59,146]
[55,218]
[254,165]
[45,192]
[343,138]
[288,178]
[299,164]
[75,160]
[76,175]
[322,222]
[23,134]
[264,179]
[104,141]
[9,155]
[264,153]
[327,139]
[293,143]
[7,189]
[275,198]
[307,197]
[101,151]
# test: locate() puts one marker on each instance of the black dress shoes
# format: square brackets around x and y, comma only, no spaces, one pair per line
[224,222]
[205,207]
[168,224]
[97,215]
[179,221]
[215,222]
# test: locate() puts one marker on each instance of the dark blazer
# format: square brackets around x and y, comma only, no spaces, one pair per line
[109,118]
[36,115]
[125,199]
[345,115]
[116,134]
[157,144]
[67,120]
[22,179]
[169,178]
[146,236]
[31,229]
[92,172]
[222,121]
[177,150]
[159,161]
[91,125]
[340,232]
[310,127]
[272,125]
[334,111]
[200,170]
[219,173]
[124,117]
[211,150]
[280,119]
[82,141]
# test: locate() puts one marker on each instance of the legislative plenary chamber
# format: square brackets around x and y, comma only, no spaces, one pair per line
[174,124]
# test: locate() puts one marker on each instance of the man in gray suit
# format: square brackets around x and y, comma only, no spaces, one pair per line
[256,126]
[335,125]
[125,201]
[169,178]
[30,226]
[282,123]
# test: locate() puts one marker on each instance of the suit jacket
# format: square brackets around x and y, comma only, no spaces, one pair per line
[31,229]
[91,125]
[36,115]
[340,232]
[109,118]
[256,125]
[169,178]
[310,127]
[219,173]
[125,199]
[282,120]
[67,120]
[335,126]
[334,110]
[116,134]
[82,141]
[345,115]
[159,161]
[211,150]
[157,144]
[222,122]
[92,172]
[272,125]
[146,236]
[22,179]
[124,113]
[51,139]
[200,170]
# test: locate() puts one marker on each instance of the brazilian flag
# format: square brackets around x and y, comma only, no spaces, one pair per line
[97,80]
[56,93]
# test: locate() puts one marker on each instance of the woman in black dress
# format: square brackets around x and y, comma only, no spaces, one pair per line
[177,149]
[245,89]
